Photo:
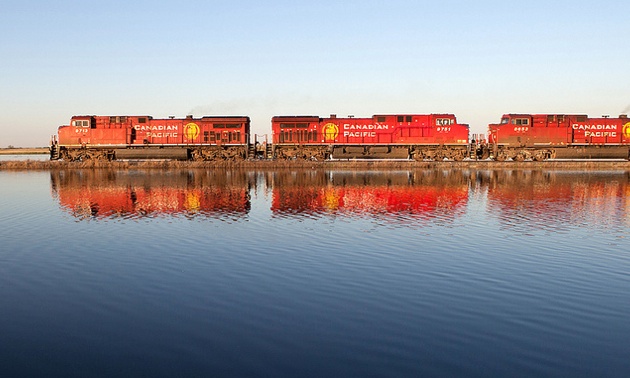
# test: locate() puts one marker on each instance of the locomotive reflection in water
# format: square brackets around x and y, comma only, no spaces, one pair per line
[557,200]
[549,200]
[110,194]
[391,196]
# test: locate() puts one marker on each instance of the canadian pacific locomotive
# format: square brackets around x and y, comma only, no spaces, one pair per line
[137,137]
[559,136]
[401,136]
[432,136]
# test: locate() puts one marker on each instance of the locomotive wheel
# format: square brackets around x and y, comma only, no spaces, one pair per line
[539,156]
[458,156]
[77,155]
[196,155]
[97,155]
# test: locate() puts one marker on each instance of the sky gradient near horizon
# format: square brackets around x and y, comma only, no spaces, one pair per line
[477,60]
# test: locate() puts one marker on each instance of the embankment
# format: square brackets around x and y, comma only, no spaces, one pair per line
[25,151]
[345,165]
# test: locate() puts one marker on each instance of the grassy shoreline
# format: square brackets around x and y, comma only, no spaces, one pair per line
[342,165]
[25,151]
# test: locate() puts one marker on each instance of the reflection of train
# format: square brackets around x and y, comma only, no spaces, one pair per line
[390,195]
[539,199]
[400,136]
[552,200]
[103,194]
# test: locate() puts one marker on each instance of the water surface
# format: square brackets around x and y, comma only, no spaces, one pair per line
[25,157]
[315,273]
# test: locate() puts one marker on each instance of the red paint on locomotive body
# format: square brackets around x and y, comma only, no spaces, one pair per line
[111,137]
[428,129]
[570,136]
[145,130]
[420,137]
[559,130]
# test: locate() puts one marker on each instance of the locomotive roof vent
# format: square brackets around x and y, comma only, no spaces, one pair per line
[189,116]
[333,116]
[605,116]
[171,117]
[623,116]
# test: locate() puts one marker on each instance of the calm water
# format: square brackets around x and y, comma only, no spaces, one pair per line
[34,157]
[306,273]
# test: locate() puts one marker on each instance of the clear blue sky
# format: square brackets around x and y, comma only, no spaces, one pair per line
[476,59]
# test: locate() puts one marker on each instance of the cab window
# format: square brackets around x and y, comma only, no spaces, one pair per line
[443,121]
[520,121]
[81,123]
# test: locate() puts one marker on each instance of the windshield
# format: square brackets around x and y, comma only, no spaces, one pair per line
[505,120]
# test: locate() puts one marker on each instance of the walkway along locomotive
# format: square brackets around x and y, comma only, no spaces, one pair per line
[402,136]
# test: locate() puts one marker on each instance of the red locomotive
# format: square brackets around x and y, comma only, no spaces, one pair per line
[120,137]
[517,137]
[431,136]
[559,136]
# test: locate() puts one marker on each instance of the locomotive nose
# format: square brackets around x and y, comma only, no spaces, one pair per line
[492,133]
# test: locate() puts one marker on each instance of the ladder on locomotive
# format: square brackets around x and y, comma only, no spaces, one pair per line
[55,150]
[261,149]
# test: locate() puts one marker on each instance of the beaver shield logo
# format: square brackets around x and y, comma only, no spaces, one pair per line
[330,131]
[191,131]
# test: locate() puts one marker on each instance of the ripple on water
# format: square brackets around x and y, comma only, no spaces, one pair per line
[483,288]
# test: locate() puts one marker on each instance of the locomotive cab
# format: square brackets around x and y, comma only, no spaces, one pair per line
[85,122]
[510,130]
[78,132]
